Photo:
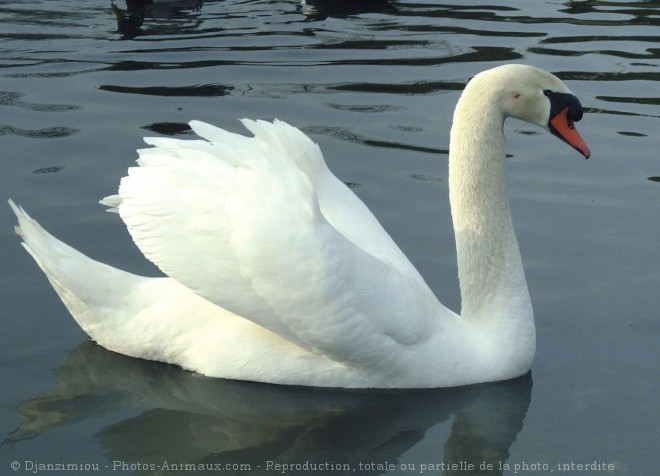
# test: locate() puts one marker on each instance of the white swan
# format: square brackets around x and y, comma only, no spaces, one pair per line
[278,273]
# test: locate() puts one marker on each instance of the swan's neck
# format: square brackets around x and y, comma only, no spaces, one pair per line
[492,280]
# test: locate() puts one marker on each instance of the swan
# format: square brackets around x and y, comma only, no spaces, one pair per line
[276,272]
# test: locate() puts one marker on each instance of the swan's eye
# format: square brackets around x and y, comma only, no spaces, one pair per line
[547,92]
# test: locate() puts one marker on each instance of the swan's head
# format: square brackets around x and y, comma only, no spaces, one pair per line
[534,95]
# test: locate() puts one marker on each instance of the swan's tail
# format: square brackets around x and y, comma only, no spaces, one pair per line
[156,318]
[88,288]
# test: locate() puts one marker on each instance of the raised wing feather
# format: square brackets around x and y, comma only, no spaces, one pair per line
[260,227]
[339,205]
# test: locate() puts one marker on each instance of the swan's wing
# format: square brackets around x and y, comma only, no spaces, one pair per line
[238,221]
[339,205]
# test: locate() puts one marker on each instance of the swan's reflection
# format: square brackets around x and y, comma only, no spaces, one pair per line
[203,421]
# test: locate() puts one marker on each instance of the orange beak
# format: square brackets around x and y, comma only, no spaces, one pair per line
[564,128]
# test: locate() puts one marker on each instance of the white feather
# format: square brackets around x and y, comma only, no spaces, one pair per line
[277,272]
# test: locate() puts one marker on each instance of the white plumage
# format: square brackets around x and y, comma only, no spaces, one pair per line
[278,273]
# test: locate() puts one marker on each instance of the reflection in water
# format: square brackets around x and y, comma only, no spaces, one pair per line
[373,76]
[199,420]
[45,133]
[131,18]
[322,9]
[10,98]
[48,170]
[205,90]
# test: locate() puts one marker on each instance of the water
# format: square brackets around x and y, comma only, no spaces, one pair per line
[374,83]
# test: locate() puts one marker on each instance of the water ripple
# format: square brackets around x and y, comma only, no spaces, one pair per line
[374,82]
[45,133]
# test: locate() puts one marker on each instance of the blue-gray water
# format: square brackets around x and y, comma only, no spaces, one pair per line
[374,83]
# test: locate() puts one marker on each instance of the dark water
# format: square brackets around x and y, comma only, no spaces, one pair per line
[374,83]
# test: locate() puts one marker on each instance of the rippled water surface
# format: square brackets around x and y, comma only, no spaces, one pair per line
[374,83]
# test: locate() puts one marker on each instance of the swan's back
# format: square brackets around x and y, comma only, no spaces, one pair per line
[260,227]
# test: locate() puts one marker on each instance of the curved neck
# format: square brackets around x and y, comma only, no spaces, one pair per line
[490,270]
